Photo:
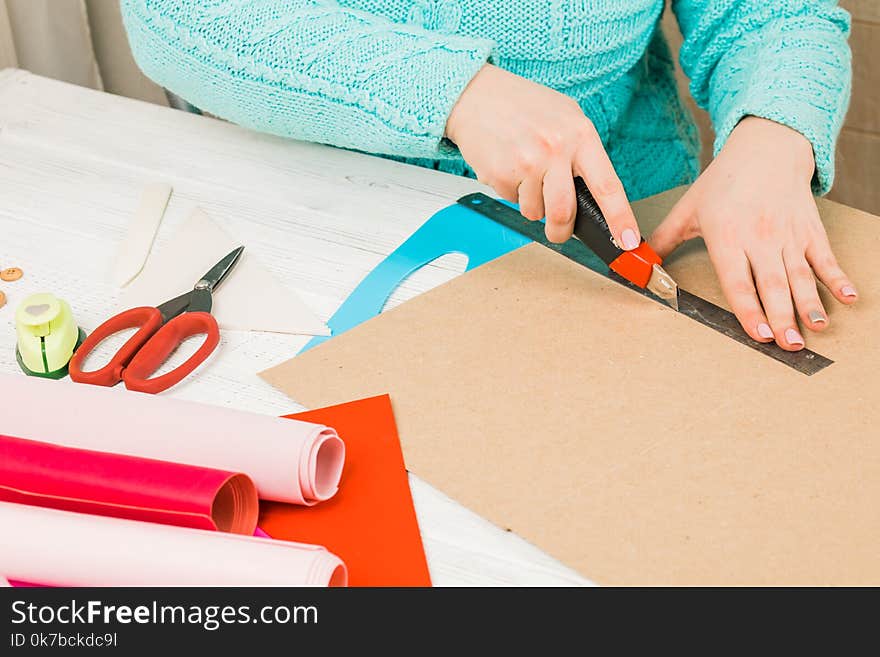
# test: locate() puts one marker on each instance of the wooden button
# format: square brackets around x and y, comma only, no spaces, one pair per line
[2,299]
[11,274]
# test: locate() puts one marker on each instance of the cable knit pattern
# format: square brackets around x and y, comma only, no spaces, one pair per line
[785,60]
[382,76]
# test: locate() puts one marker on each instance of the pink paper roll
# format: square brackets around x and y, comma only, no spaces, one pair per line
[289,460]
[75,549]
[4,582]
[71,479]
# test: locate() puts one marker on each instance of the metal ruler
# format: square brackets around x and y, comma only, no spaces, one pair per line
[705,312]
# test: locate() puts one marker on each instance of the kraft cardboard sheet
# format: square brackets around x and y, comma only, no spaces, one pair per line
[629,441]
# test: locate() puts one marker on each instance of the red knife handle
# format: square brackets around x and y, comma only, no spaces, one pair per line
[146,319]
[157,349]
[637,265]
[591,228]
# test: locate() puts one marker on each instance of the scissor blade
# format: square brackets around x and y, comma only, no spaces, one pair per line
[220,271]
[175,306]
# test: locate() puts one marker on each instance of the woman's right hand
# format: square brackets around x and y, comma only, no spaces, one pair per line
[528,142]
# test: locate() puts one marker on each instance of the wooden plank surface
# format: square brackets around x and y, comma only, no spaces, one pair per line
[72,164]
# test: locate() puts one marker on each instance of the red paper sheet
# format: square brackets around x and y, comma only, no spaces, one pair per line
[370,523]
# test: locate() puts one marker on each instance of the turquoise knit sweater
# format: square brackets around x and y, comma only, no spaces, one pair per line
[382,76]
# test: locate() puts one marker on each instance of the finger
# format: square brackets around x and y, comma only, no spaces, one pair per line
[504,182]
[677,227]
[559,203]
[735,276]
[771,280]
[593,165]
[531,198]
[507,190]
[803,290]
[822,260]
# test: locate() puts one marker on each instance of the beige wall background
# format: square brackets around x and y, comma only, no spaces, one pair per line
[83,42]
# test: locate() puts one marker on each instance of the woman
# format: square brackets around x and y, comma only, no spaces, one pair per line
[526,94]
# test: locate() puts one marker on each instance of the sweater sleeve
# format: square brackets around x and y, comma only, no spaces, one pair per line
[308,69]
[783,60]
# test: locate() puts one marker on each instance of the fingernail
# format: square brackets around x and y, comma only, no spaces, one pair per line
[793,337]
[816,317]
[765,331]
[629,239]
[848,291]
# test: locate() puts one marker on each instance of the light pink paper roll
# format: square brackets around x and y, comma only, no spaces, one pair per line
[289,460]
[4,582]
[62,548]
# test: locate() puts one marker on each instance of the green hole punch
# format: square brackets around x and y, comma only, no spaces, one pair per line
[46,336]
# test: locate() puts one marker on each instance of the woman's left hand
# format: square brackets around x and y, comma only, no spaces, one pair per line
[754,209]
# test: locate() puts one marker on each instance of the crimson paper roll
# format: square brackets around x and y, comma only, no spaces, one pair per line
[43,474]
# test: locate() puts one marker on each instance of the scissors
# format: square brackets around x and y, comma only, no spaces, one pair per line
[160,331]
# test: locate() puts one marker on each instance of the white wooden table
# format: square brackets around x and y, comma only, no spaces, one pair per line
[73,163]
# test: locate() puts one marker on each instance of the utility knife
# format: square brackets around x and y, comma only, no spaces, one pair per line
[641,266]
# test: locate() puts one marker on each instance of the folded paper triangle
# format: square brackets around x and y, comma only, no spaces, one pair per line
[250,299]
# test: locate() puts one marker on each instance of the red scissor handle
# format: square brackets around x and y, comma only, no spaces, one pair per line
[157,349]
[147,318]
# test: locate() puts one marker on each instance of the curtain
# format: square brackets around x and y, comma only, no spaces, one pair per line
[77,41]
